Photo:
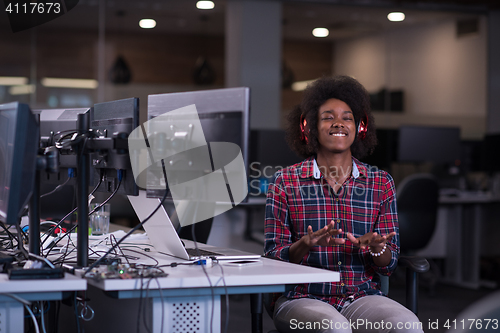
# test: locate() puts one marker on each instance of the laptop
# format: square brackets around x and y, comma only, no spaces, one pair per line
[165,239]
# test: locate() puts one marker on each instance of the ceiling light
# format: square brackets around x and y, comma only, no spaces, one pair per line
[13,80]
[69,83]
[301,85]
[396,16]
[147,23]
[320,32]
[25,89]
[205,5]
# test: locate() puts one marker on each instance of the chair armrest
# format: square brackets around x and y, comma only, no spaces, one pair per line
[415,264]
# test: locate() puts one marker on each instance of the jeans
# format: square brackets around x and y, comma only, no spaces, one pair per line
[366,314]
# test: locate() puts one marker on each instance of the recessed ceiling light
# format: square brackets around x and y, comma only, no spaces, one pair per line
[69,83]
[320,32]
[13,80]
[396,17]
[147,23]
[25,89]
[205,5]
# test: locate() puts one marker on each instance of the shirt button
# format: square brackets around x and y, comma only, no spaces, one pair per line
[337,199]
[339,263]
[338,220]
[342,284]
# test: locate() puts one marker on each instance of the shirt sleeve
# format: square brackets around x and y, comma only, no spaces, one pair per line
[387,223]
[278,237]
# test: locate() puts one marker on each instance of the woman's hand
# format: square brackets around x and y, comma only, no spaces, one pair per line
[324,236]
[377,245]
[371,239]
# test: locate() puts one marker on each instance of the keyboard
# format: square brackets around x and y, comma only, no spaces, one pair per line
[203,253]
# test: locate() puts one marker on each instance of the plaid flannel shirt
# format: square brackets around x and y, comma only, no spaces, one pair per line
[299,196]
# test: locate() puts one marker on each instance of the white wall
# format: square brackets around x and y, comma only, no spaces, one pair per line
[444,77]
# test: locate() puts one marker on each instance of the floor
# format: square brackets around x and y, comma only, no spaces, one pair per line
[435,308]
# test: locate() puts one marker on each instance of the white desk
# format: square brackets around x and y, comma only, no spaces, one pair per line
[12,311]
[186,293]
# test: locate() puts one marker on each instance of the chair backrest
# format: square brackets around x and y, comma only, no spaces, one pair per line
[417,201]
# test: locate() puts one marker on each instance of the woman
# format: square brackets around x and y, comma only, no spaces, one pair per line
[334,212]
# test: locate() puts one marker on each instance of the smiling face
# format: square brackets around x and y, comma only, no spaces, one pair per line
[336,126]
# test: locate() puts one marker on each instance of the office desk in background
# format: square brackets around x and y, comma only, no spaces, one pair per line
[465,218]
[12,311]
[184,297]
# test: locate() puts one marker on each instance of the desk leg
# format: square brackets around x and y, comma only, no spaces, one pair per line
[186,314]
[462,263]
[256,310]
[11,317]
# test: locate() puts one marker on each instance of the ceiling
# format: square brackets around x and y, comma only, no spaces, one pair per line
[344,18]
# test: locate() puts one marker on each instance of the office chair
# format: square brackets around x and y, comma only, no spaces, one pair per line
[417,200]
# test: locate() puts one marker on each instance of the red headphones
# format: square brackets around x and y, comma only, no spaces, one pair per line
[363,127]
[303,134]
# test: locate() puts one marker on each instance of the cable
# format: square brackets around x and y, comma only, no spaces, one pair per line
[162,304]
[35,323]
[71,173]
[76,315]
[62,220]
[92,212]
[127,235]
[212,292]
[227,298]
[42,315]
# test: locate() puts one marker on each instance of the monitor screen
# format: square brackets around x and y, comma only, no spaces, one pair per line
[18,152]
[223,116]
[108,120]
[429,144]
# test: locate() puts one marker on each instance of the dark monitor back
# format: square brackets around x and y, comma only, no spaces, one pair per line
[106,120]
[386,150]
[439,145]
[18,152]
[57,125]
[490,160]
[268,148]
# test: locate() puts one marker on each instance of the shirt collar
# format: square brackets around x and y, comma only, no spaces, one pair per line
[317,174]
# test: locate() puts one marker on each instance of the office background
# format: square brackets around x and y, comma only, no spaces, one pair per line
[443,61]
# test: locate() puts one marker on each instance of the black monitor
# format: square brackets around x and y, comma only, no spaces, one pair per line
[224,116]
[439,145]
[385,152]
[18,153]
[490,162]
[107,120]
[56,127]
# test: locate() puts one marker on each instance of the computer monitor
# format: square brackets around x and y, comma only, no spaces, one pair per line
[439,145]
[57,126]
[224,116]
[490,162]
[18,153]
[385,152]
[108,120]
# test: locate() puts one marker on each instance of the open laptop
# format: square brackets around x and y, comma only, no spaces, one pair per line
[165,239]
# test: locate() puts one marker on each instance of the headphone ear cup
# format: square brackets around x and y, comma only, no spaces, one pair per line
[303,134]
[362,128]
